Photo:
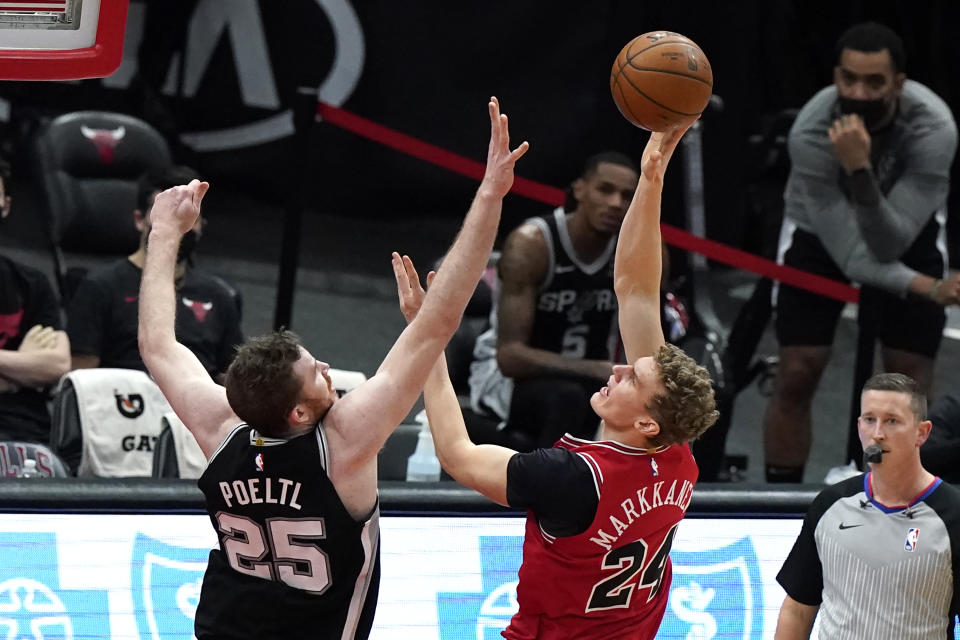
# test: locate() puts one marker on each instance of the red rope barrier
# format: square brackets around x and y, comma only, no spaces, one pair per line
[553,196]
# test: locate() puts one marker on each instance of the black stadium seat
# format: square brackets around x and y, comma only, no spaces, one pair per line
[89,163]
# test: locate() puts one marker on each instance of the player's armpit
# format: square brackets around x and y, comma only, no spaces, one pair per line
[199,402]
[361,421]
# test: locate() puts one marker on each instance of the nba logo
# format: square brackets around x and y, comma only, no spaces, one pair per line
[258,461]
[654,468]
[911,542]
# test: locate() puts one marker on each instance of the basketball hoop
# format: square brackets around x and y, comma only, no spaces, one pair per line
[61,39]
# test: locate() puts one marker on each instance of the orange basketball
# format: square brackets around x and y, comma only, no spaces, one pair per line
[660,80]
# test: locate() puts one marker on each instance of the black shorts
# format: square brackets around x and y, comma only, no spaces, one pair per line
[907,323]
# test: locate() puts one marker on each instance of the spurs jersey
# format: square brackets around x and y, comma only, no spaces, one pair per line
[575,315]
[292,562]
[611,580]
[576,303]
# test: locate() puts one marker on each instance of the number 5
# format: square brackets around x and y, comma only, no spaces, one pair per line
[575,341]
[296,561]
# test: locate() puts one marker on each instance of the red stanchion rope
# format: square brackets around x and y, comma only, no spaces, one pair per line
[553,196]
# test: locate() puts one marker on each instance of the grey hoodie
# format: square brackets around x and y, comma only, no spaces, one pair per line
[866,223]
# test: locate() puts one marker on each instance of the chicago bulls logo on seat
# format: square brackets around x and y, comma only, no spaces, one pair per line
[105,140]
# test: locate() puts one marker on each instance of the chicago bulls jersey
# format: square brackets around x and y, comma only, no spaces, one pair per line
[611,580]
[292,562]
[26,299]
[102,317]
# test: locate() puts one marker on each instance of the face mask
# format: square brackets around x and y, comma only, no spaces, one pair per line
[188,244]
[873,112]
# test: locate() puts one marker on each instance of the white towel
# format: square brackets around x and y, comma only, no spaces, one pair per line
[190,459]
[120,416]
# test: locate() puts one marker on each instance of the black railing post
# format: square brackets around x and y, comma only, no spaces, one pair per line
[304,115]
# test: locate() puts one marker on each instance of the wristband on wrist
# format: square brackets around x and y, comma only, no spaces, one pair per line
[865,170]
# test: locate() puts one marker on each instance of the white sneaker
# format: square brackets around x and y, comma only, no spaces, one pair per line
[838,474]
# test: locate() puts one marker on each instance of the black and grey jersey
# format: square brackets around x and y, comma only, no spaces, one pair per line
[878,571]
[576,304]
[292,562]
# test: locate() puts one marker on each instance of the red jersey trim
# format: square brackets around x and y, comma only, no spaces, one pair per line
[572,441]
[546,536]
[594,470]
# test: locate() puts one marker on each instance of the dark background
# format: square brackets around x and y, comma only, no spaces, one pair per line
[427,70]
[429,67]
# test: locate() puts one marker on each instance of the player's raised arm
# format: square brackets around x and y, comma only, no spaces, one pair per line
[637,265]
[365,417]
[199,402]
[480,467]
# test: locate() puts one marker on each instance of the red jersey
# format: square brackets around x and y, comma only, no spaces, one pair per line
[612,580]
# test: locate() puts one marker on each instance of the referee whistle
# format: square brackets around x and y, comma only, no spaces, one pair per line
[873,453]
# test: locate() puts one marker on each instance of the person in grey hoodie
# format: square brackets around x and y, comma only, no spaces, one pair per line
[865,202]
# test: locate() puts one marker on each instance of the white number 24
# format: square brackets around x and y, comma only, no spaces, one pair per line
[616,591]
[296,560]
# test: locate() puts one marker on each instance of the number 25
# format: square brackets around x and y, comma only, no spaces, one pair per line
[296,561]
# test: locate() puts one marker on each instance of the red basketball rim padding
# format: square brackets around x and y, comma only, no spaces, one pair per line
[95,61]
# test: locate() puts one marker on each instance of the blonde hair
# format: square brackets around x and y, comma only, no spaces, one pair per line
[686,409]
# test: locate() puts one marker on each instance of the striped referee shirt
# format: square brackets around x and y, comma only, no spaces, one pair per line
[878,571]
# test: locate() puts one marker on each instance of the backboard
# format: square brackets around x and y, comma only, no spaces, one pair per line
[61,39]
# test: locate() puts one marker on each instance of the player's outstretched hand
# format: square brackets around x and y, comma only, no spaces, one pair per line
[498,177]
[659,150]
[178,207]
[409,291]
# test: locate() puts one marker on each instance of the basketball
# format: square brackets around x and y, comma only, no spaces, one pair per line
[660,80]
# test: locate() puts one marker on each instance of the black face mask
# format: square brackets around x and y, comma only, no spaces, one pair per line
[188,244]
[873,112]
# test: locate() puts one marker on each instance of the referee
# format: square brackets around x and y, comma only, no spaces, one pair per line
[878,554]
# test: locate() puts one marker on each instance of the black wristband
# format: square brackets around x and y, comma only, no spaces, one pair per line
[863,186]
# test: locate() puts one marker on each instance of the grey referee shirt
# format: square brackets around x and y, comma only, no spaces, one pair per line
[878,571]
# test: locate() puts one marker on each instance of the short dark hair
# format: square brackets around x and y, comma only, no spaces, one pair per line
[590,167]
[610,157]
[262,387]
[901,384]
[161,179]
[873,37]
